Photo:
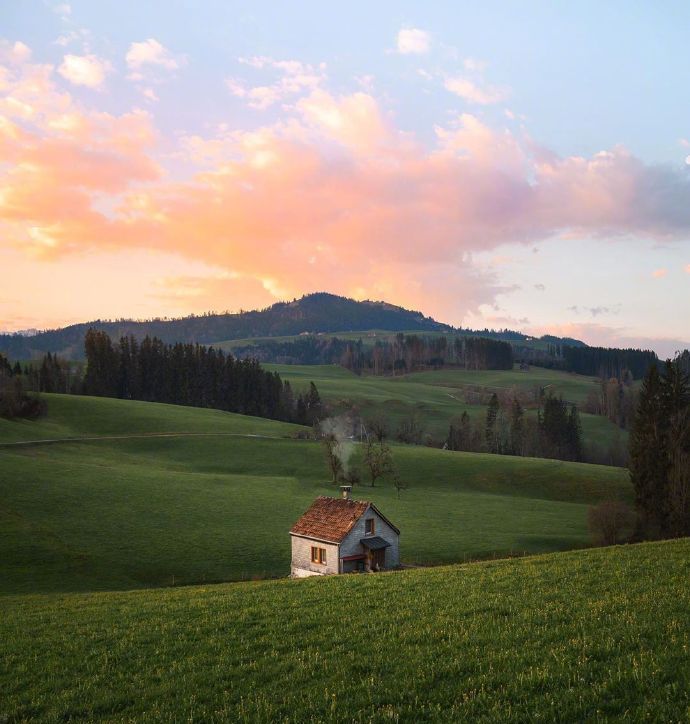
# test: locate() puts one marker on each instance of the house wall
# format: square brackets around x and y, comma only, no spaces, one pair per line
[351,546]
[301,558]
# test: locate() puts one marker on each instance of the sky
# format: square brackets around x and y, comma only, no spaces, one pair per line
[503,164]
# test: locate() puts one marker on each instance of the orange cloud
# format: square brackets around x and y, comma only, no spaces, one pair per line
[197,294]
[334,196]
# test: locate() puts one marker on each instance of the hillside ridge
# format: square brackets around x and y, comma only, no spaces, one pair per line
[316,313]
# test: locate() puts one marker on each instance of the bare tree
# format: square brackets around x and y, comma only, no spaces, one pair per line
[610,521]
[331,448]
[378,427]
[410,429]
[378,459]
[398,483]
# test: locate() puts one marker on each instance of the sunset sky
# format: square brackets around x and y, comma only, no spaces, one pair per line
[503,164]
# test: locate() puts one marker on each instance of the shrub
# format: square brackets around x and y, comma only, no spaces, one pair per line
[610,522]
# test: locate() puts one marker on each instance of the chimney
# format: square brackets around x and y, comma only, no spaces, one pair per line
[346,490]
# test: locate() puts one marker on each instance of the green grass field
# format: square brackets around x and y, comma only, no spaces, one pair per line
[213,501]
[438,396]
[599,635]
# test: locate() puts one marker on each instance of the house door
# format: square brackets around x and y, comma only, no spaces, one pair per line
[378,559]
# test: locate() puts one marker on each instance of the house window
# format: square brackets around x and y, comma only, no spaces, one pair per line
[369,526]
[318,555]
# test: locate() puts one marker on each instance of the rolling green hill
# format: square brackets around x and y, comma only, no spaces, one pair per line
[173,494]
[597,635]
[439,396]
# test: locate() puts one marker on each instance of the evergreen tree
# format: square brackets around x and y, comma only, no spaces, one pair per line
[574,434]
[649,456]
[517,428]
[490,428]
[676,397]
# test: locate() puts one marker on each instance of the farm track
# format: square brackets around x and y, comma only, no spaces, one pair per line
[143,435]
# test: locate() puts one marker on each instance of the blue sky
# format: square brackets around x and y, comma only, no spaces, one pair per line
[581,105]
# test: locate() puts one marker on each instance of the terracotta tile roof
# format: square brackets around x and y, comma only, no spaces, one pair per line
[329,519]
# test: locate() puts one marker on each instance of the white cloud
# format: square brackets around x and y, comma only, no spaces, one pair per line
[88,70]
[413,41]
[473,93]
[474,65]
[149,94]
[687,160]
[14,53]
[296,78]
[151,52]
[64,10]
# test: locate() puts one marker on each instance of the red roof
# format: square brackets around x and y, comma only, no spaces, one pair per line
[330,519]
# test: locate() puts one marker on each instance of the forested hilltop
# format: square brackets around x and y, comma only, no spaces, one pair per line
[313,313]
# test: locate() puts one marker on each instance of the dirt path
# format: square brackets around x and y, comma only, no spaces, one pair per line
[51,441]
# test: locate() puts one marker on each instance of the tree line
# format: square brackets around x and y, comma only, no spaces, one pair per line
[392,355]
[190,374]
[555,432]
[179,374]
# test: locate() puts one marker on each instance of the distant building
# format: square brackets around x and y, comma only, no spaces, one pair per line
[340,535]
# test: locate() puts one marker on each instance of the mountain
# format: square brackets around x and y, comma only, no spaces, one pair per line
[319,312]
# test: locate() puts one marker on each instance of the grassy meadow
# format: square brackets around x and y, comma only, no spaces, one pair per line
[598,635]
[439,396]
[173,495]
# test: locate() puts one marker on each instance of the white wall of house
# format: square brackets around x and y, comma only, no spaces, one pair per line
[351,544]
[302,565]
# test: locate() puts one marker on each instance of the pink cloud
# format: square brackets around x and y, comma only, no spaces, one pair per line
[659,273]
[334,196]
[475,93]
[295,78]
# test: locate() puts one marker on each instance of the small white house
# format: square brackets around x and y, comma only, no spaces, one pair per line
[340,535]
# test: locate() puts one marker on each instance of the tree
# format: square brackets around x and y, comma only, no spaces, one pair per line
[574,434]
[517,428]
[649,455]
[676,398]
[399,483]
[490,428]
[16,403]
[610,522]
[378,427]
[379,460]
[409,429]
[331,448]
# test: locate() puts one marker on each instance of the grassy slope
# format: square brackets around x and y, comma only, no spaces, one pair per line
[149,510]
[583,636]
[438,395]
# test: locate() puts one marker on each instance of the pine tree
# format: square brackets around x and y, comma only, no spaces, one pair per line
[574,434]
[676,396]
[517,427]
[490,429]
[649,456]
